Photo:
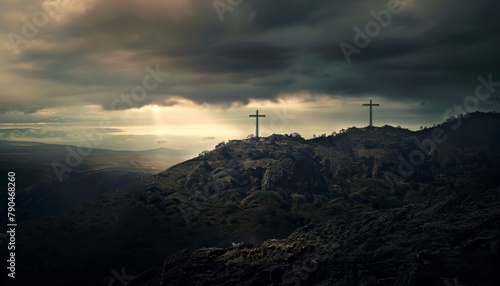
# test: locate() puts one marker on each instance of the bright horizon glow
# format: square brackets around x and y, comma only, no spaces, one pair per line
[298,113]
[194,127]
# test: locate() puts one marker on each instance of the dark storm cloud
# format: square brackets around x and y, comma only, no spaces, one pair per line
[432,50]
[241,57]
[69,67]
[440,54]
[285,13]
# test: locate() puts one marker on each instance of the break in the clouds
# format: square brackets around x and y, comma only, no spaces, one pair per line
[92,52]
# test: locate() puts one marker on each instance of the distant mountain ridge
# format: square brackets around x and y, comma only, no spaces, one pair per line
[40,193]
[45,154]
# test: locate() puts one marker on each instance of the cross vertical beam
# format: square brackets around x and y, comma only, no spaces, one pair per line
[371,104]
[257,122]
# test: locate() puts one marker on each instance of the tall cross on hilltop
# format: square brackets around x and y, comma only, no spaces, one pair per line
[256,123]
[371,111]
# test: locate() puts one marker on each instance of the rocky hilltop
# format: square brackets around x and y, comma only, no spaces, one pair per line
[437,223]
[368,206]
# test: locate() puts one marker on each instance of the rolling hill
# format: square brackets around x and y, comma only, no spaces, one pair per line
[368,206]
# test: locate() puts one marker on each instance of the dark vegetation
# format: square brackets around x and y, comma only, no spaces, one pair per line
[320,211]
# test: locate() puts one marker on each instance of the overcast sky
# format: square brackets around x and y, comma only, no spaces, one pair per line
[66,72]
